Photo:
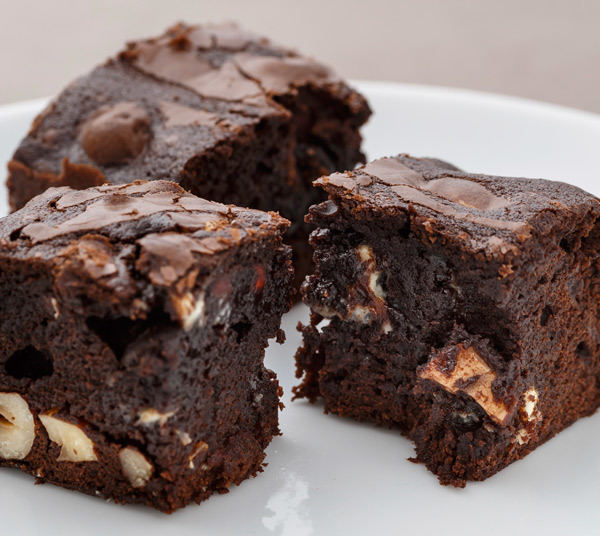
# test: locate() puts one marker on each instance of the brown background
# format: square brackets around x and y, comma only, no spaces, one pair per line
[542,49]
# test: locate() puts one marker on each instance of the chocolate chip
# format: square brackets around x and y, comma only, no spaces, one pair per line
[115,134]
[325,209]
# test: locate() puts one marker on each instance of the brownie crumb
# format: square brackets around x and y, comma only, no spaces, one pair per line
[459,308]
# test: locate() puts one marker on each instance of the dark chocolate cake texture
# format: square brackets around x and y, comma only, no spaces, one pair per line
[224,112]
[133,324]
[460,308]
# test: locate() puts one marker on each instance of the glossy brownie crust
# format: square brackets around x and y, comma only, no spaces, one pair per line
[460,308]
[133,323]
[226,113]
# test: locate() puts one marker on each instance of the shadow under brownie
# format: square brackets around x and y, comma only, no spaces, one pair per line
[460,308]
[224,112]
[133,324]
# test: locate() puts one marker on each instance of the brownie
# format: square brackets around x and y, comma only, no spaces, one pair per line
[461,309]
[133,324]
[225,113]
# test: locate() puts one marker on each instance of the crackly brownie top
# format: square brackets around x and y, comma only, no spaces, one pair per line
[110,235]
[224,62]
[480,209]
[158,215]
[161,101]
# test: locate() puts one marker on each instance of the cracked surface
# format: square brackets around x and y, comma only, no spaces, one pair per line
[227,114]
[479,338]
[133,322]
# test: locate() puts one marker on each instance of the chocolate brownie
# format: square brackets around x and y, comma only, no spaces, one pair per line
[460,308]
[226,113]
[133,323]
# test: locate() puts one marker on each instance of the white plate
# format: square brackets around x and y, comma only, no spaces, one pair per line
[327,475]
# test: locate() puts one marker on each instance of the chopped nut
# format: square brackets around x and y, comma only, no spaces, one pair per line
[201,447]
[531,400]
[76,445]
[375,286]
[469,374]
[360,313]
[151,416]
[522,436]
[505,270]
[189,309]
[55,307]
[140,305]
[530,416]
[17,427]
[365,253]
[372,279]
[136,467]
[184,437]
[324,311]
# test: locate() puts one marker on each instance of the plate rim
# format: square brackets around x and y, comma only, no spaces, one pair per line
[136,520]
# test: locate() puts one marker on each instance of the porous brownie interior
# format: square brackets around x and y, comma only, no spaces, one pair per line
[143,347]
[386,298]
[104,369]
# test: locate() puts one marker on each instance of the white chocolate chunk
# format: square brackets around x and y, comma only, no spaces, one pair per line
[470,375]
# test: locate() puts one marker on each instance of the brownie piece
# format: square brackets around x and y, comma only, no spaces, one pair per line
[225,113]
[460,308]
[133,324]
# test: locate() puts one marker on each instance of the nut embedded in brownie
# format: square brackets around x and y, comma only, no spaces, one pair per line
[460,308]
[133,324]
[227,114]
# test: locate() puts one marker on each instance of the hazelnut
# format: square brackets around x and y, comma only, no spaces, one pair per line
[17,427]
[136,467]
[468,373]
[76,445]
